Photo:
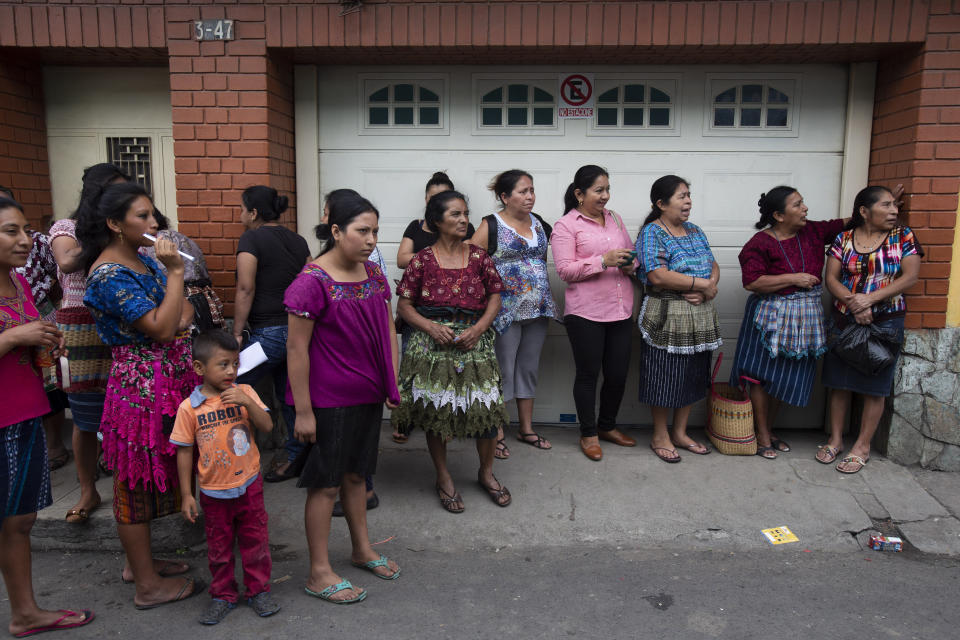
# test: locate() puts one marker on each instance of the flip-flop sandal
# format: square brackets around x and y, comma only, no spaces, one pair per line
[450,502]
[501,452]
[58,461]
[764,452]
[334,589]
[400,438]
[501,497]
[376,564]
[537,441]
[851,459]
[169,569]
[88,617]
[693,446]
[780,445]
[832,452]
[664,457]
[198,586]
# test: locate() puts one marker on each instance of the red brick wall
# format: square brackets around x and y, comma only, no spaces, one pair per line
[232,128]
[916,141]
[23,138]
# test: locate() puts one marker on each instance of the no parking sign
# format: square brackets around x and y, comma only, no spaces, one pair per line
[576,96]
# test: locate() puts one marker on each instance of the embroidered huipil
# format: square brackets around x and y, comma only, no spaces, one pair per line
[522,265]
[594,293]
[868,272]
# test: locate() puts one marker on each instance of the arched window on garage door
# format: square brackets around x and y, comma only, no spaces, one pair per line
[517,106]
[634,105]
[405,105]
[752,105]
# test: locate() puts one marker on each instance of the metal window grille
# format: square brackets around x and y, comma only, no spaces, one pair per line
[133,156]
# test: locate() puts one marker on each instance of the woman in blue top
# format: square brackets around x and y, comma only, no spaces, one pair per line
[678,321]
[145,319]
[516,239]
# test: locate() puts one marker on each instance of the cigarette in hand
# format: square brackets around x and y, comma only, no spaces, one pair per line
[153,239]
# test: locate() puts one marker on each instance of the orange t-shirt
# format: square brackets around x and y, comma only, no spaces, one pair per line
[229,457]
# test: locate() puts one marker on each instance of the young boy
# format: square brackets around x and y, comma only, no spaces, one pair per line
[217,416]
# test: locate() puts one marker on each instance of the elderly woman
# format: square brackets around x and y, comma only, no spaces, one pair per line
[142,315]
[24,474]
[269,257]
[678,321]
[592,251]
[516,239]
[781,335]
[869,267]
[449,377]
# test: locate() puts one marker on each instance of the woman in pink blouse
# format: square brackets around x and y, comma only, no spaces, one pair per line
[449,378]
[593,254]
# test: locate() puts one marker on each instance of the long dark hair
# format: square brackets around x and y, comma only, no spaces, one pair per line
[343,209]
[867,197]
[439,178]
[265,200]
[771,202]
[506,182]
[96,178]
[663,189]
[437,206]
[332,200]
[583,179]
[92,231]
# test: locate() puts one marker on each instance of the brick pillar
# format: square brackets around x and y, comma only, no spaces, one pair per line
[232,128]
[916,140]
[23,138]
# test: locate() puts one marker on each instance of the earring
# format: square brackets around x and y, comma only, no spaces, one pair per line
[120,237]
[580,202]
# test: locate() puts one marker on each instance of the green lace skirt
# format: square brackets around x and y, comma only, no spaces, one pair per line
[447,391]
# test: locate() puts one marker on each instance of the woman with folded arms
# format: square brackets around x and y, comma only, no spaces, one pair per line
[869,267]
[678,321]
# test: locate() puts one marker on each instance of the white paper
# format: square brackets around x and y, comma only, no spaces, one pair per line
[251,358]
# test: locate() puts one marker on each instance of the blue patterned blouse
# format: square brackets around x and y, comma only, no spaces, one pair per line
[522,265]
[118,296]
[689,254]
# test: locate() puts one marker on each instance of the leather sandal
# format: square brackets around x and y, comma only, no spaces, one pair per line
[452,503]
[501,452]
[534,440]
[501,497]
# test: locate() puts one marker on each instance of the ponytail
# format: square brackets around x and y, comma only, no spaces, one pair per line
[662,190]
[583,179]
[772,202]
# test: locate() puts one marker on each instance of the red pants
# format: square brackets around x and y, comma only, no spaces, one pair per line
[245,520]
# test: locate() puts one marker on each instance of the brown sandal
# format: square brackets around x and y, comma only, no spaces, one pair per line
[449,502]
[501,497]
[501,452]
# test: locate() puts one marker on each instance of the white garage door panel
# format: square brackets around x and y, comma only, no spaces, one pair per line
[728,174]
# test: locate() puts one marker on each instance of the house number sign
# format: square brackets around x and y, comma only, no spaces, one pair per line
[217,29]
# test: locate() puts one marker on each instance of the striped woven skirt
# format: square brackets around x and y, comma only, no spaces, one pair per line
[88,357]
[789,380]
[25,480]
[673,380]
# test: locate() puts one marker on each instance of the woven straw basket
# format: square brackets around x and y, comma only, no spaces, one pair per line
[730,418]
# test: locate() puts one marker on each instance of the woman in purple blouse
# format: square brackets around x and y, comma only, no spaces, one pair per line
[342,365]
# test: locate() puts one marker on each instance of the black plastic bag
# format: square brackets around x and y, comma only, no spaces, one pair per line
[867,348]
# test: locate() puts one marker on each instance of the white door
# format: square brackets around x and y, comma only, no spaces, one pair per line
[119,115]
[733,132]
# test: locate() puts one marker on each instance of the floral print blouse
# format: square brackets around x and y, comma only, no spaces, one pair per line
[522,265]
[427,284]
[118,296]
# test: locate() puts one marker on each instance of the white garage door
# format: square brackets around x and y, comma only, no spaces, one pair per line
[734,132]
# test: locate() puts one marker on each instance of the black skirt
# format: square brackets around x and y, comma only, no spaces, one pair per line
[348,439]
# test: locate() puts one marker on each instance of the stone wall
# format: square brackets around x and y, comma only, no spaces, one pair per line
[925,424]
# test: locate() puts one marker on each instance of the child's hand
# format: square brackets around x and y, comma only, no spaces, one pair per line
[189,508]
[235,395]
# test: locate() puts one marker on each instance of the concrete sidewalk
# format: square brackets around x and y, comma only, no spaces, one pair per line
[561,498]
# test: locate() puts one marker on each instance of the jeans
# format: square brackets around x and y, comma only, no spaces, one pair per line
[596,346]
[274,343]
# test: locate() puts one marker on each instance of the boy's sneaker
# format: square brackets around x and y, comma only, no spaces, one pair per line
[217,611]
[263,604]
